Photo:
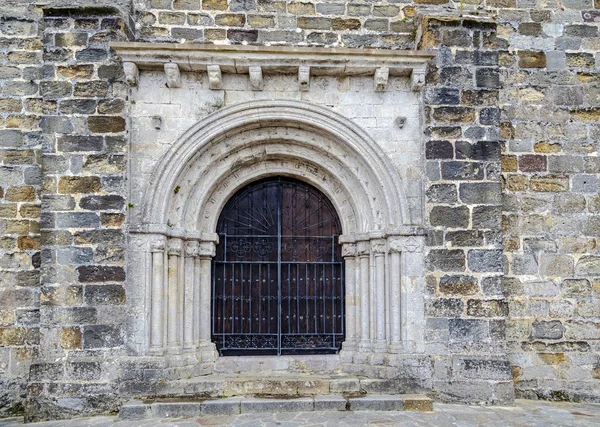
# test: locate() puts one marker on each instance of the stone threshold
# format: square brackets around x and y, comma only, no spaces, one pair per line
[174,408]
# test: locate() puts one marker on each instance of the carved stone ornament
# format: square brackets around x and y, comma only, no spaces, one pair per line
[215,78]
[207,249]
[132,73]
[363,248]
[174,246]
[381,78]
[348,250]
[173,75]
[304,78]
[157,245]
[256,78]
[417,79]
[411,244]
[378,246]
[191,248]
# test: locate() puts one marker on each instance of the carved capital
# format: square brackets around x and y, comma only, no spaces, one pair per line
[348,250]
[207,249]
[157,245]
[215,79]
[191,248]
[363,248]
[174,246]
[378,246]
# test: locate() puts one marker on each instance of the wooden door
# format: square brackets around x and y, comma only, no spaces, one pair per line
[278,273]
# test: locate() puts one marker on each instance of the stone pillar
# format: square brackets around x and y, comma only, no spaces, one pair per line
[173,304]
[363,251]
[394,294]
[157,249]
[189,280]
[206,252]
[349,254]
[378,249]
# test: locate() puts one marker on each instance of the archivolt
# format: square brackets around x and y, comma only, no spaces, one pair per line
[241,143]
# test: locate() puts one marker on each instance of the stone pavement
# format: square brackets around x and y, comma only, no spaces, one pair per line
[524,413]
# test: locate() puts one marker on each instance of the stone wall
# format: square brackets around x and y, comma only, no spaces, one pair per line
[550,130]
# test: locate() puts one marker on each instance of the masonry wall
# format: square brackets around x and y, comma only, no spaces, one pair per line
[513,259]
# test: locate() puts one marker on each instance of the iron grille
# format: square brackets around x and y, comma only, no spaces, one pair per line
[278,273]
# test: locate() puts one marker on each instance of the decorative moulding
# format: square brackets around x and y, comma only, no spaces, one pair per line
[305,61]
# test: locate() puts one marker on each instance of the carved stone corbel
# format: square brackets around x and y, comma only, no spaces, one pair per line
[132,73]
[348,250]
[381,78]
[304,78]
[173,75]
[417,79]
[215,78]
[256,78]
[174,246]
[191,248]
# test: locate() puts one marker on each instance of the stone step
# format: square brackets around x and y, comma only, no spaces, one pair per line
[273,384]
[174,408]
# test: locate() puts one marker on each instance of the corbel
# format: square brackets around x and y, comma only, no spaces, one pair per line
[173,75]
[417,79]
[381,78]
[215,78]
[256,78]
[132,73]
[304,78]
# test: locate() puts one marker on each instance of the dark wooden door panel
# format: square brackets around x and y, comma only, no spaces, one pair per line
[278,273]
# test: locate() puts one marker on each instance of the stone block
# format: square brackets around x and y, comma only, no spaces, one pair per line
[99,273]
[489,193]
[227,406]
[376,402]
[453,217]
[344,385]
[134,410]
[458,285]
[481,260]
[77,220]
[547,330]
[531,59]
[252,405]
[175,409]
[457,170]
[556,265]
[329,402]
[468,330]
[104,336]
[442,193]
[417,402]
[79,184]
[446,260]
[487,308]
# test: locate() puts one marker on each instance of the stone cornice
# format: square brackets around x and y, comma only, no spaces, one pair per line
[275,60]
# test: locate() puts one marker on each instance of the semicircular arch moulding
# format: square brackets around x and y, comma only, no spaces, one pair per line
[241,143]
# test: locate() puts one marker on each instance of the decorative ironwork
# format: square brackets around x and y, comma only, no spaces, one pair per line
[278,272]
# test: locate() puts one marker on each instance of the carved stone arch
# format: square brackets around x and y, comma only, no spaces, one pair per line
[209,140]
[170,268]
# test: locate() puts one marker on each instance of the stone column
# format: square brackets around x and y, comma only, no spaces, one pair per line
[157,304]
[378,249]
[349,254]
[206,252]
[395,292]
[173,314]
[191,254]
[363,251]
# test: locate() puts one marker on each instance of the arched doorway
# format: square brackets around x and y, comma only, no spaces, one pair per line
[278,281]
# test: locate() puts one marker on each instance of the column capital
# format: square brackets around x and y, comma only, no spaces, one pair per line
[363,248]
[157,244]
[207,249]
[348,250]
[378,246]
[174,246]
[191,248]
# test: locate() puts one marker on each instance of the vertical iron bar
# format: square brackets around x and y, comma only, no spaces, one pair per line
[279,231]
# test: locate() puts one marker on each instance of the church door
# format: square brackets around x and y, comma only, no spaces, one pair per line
[278,282]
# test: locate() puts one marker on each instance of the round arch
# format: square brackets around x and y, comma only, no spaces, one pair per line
[248,141]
